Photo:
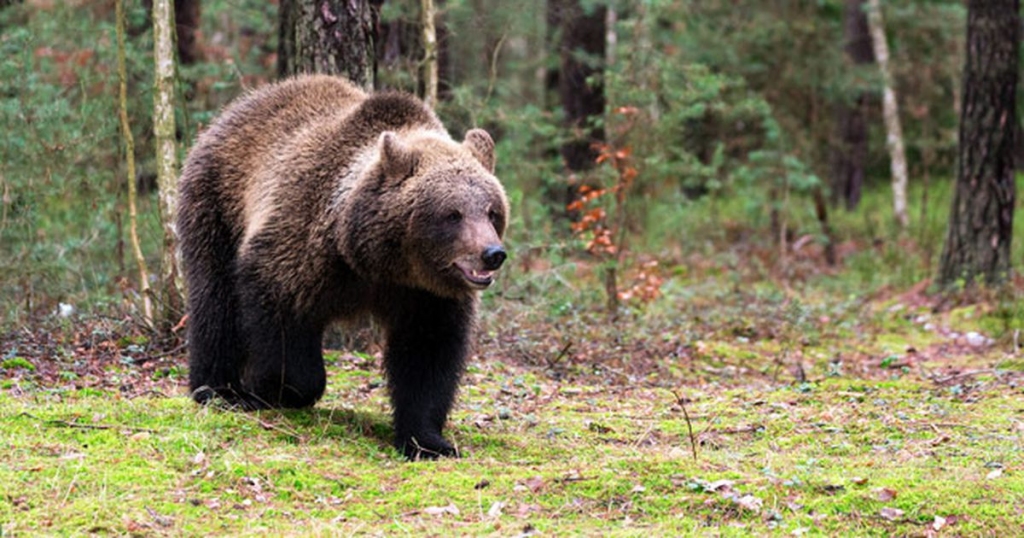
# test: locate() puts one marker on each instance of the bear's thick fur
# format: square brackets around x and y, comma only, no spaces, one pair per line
[309,201]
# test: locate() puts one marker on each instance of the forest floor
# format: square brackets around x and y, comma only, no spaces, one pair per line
[718,409]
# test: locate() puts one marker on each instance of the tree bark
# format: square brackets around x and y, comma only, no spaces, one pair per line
[186,23]
[328,36]
[129,153]
[581,49]
[170,295]
[981,221]
[850,148]
[894,131]
[430,53]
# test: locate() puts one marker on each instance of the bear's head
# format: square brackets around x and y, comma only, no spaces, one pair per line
[428,213]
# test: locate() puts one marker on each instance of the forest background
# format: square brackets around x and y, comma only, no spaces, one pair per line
[702,201]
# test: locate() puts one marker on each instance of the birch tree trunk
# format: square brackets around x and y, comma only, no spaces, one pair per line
[894,132]
[129,153]
[170,297]
[427,14]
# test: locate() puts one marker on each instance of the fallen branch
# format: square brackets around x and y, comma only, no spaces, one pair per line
[968,373]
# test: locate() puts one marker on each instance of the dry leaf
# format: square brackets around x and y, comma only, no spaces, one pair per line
[885,494]
[535,483]
[996,473]
[892,514]
[720,485]
[938,523]
[750,502]
[441,510]
[495,510]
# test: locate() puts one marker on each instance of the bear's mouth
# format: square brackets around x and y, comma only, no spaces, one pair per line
[477,278]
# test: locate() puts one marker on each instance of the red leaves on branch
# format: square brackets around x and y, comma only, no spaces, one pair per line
[602,232]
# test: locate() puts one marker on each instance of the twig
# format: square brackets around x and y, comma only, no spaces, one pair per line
[143,360]
[565,349]
[689,425]
[968,373]
[69,424]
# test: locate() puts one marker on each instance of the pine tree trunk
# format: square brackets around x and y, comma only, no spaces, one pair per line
[186,22]
[850,148]
[328,36]
[981,220]
[169,291]
[581,50]
[580,40]
[894,131]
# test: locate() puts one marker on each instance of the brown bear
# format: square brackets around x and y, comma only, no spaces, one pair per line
[309,201]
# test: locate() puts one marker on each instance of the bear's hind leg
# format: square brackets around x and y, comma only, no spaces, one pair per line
[427,345]
[216,350]
[215,347]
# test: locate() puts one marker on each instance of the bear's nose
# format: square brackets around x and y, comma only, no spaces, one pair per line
[493,258]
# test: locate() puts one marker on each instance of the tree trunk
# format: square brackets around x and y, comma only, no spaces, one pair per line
[579,38]
[581,52]
[981,220]
[894,132]
[170,296]
[129,153]
[427,14]
[328,36]
[850,149]
[186,22]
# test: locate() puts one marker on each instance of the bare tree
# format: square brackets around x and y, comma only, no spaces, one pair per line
[981,220]
[893,129]
[430,56]
[129,153]
[170,296]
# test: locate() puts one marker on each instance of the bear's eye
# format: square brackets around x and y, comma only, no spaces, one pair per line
[455,217]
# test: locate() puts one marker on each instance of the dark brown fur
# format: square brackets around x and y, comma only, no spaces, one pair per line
[309,201]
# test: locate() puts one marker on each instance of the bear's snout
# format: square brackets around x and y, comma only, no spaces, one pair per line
[493,257]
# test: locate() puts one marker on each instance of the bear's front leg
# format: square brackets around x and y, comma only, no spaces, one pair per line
[285,366]
[427,344]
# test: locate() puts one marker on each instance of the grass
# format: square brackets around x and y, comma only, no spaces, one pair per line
[821,458]
[865,423]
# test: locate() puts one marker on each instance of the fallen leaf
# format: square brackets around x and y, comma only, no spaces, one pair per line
[938,523]
[859,480]
[996,473]
[750,502]
[885,494]
[441,510]
[720,485]
[535,483]
[495,509]
[891,514]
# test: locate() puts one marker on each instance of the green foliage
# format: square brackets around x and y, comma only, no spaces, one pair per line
[58,151]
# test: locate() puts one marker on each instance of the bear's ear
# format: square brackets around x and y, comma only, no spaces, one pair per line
[480,144]
[396,160]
